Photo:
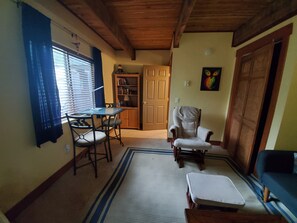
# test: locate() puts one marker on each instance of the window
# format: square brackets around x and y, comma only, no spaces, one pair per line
[75,80]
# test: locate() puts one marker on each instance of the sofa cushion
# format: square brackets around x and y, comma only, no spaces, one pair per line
[283,186]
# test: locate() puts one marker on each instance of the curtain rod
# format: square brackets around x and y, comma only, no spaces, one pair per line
[17,2]
[63,28]
[73,34]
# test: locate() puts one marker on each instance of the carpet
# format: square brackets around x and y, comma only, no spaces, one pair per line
[147,186]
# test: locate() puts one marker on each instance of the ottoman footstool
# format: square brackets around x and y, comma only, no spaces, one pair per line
[213,191]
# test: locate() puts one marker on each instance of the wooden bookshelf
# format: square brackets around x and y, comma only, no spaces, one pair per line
[127,96]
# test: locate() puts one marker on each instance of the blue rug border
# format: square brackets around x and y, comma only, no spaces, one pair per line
[123,167]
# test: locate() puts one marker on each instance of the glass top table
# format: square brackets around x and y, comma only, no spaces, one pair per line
[104,112]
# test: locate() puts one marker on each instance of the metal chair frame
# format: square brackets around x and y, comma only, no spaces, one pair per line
[81,126]
[110,123]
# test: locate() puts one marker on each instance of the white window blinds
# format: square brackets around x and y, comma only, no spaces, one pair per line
[75,80]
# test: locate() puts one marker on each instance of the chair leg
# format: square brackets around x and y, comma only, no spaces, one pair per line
[179,158]
[109,150]
[74,160]
[120,136]
[175,153]
[201,166]
[95,160]
[108,137]
[200,159]
[89,153]
[181,163]
[266,194]
[106,152]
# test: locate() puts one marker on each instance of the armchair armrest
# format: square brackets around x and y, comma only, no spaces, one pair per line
[173,130]
[204,133]
[274,161]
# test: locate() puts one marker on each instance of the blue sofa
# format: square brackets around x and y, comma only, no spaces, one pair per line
[277,173]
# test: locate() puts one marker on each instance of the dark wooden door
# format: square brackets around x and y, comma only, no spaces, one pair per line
[248,100]
[239,103]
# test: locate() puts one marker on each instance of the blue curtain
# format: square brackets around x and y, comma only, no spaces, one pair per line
[99,94]
[44,93]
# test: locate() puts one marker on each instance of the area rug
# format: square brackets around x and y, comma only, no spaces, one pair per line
[147,186]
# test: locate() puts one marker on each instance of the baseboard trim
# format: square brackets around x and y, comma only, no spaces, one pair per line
[12,213]
[216,143]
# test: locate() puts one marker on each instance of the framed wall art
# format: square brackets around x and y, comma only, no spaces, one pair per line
[210,79]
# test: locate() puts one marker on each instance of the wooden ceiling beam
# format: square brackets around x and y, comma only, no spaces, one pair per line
[101,11]
[185,14]
[277,12]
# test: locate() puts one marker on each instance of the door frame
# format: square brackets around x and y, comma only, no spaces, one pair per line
[282,35]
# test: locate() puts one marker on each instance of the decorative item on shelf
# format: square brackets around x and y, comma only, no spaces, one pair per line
[119,69]
[120,90]
[122,81]
[126,99]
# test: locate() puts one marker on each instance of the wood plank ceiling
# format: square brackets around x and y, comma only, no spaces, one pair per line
[159,24]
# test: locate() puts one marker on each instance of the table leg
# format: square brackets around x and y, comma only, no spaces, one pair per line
[108,139]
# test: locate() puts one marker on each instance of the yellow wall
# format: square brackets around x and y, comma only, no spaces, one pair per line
[107,69]
[284,125]
[286,139]
[23,166]
[187,64]
[143,57]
